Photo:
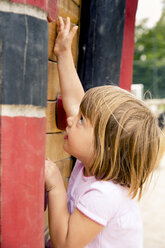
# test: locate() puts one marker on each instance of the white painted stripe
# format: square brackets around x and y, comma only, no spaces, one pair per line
[19,8]
[22,110]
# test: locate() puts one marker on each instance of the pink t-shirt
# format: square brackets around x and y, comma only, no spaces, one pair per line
[108,204]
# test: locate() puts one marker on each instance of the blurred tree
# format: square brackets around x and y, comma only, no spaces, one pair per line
[149,57]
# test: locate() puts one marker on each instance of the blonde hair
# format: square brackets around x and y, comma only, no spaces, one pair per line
[126,137]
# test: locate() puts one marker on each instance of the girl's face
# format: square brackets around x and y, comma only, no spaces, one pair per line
[79,138]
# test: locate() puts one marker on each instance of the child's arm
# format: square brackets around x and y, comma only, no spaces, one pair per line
[66,231]
[71,89]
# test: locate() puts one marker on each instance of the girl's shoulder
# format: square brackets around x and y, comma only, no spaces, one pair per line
[111,192]
[106,188]
[105,199]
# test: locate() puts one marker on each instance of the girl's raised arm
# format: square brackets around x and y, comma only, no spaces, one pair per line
[71,89]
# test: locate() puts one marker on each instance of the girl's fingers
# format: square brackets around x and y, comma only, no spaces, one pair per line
[60,24]
[67,24]
[49,162]
[73,32]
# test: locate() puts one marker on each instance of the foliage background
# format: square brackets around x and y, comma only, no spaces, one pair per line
[149,57]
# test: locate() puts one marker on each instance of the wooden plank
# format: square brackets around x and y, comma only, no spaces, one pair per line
[52,37]
[69,8]
[53,81]
[51,126]
[78,2]
[65,167]
[54,147]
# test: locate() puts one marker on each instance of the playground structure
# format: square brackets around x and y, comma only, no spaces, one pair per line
[27,37]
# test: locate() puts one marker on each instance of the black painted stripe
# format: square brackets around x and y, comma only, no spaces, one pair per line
[101,39]
[24,59]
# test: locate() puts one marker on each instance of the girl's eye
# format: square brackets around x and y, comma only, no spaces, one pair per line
[80,120]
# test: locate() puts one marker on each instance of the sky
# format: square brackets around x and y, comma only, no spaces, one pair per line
[150,9]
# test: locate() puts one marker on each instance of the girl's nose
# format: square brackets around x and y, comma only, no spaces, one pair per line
[70,121]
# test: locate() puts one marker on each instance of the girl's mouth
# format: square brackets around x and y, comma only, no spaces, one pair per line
[65,137]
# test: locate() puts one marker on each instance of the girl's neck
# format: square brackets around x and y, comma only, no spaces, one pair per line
[86,164]
[86,172]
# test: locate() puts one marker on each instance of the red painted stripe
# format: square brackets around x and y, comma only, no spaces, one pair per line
[50,6]
[22,181]
[128,45]
[42,4]
[53,10]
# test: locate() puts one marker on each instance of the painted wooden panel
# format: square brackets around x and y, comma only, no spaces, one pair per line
[101,37]
[24,59]
[52,9]
[126,71]
[50,6]
[22,181]
[106,43]
[42,4]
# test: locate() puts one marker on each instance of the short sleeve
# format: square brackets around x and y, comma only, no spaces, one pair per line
[97,203]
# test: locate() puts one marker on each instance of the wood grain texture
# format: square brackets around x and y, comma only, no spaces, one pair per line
[53,81]
[78,2]
[52,37]
[54,147]
[51,126]
[69,8]
[65,167]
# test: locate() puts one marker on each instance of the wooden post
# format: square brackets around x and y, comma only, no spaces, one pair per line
[106,43]
[23,82]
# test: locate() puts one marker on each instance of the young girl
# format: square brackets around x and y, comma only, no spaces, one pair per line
[115,138]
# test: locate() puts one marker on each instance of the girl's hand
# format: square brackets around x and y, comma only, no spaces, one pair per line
[65,36]
[53,178]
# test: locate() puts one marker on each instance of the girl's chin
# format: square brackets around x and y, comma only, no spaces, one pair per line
[65,147]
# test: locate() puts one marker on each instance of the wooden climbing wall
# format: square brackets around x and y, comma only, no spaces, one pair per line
[54,136]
